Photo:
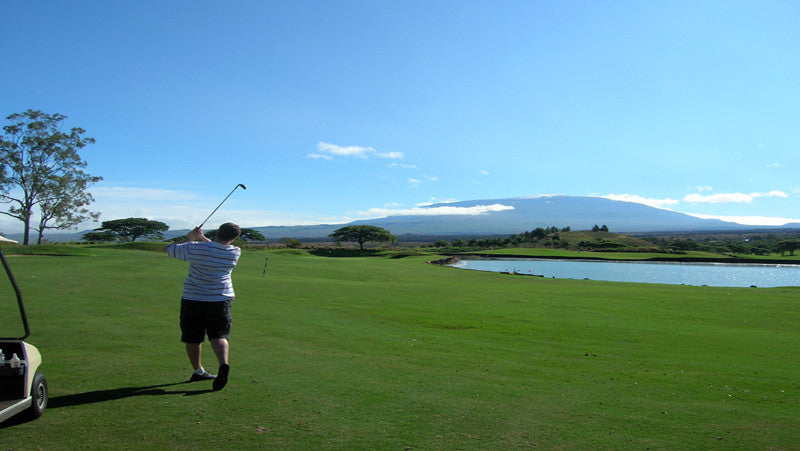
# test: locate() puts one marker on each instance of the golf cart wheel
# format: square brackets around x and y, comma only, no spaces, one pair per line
[39,393]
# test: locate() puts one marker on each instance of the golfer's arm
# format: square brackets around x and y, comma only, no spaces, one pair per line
[196,234]
[166,248]
[188,239]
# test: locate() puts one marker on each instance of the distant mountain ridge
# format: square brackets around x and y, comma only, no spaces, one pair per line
[579,213]
[520,214]
[528,213]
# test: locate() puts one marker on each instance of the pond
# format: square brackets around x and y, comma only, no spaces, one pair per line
[710,274]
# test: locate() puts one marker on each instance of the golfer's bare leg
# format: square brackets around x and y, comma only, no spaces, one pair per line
[220,347]
[193,351]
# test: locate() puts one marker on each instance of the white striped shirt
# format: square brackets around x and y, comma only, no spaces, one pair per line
[210,265]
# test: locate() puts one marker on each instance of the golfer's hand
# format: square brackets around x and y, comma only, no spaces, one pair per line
[195,234]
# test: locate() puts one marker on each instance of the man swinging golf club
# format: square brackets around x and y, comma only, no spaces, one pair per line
[207,296]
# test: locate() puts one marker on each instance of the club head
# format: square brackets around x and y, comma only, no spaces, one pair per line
[243,186]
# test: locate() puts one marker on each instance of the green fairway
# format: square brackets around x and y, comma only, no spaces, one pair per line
[394,353]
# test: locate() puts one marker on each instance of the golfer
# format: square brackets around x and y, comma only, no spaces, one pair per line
[207,296]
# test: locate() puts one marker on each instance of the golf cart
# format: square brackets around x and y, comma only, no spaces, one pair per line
[22,389]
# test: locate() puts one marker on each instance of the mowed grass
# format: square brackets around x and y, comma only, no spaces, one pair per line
[382,353]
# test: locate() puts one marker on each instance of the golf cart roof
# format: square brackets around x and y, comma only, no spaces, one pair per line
[6,240]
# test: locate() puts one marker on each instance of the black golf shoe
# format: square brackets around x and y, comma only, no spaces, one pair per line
[222,377]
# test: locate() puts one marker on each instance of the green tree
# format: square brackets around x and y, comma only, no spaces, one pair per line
[252,235]
[787,246]
[738,248]
[41,166]
[129,229]
[538,233]
[362,234]
[64,208]
[292,243]
[99,237]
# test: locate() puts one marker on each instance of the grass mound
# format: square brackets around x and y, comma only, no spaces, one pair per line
[45,249]
[405,254]
[602,241]
[154,246]
[347,252]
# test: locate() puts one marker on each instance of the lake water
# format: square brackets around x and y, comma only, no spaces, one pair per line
[711,274]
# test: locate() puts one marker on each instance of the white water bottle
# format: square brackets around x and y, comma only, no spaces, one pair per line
[15,362]
[2,358]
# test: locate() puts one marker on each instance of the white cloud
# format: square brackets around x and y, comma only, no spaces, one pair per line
[347,151]
[431,211]
[657,203]
[185,209]
[328,151]
[749,220]
[401,165]
[319,156]
[539,196]
[715,199]
[414,182]
[725,198]
[120,194]
[434,200]
[484,172]
[390,155]
[188,218]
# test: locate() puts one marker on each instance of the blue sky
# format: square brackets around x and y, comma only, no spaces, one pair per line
[331,111]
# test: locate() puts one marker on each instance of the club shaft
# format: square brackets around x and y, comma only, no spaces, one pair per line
[215,210]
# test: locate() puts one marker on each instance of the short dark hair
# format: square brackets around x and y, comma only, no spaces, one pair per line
[228,231]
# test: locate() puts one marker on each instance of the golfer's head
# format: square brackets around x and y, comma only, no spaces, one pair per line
[228,232]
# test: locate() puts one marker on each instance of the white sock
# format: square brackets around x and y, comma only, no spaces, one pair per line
[199,371]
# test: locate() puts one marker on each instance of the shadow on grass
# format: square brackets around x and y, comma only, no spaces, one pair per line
[113,394]
[92,397]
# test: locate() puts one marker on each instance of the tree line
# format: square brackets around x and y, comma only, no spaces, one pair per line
[130,229]
[759,244]
[543,236]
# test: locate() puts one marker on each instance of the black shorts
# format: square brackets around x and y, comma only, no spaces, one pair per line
[199,319]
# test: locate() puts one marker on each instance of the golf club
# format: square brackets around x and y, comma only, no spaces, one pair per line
[220,204]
